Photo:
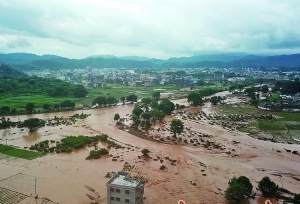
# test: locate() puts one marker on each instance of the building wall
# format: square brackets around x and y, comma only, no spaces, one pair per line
[117,194]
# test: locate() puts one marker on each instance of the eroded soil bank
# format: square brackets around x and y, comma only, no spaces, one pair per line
[194,173]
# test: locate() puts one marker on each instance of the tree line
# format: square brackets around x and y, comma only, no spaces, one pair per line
[40,86]
[32,108]
[197,98]
[287,87]
[241,188]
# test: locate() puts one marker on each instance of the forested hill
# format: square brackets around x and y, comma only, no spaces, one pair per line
[65,63]
[25,62]
[6,71]
[13,82]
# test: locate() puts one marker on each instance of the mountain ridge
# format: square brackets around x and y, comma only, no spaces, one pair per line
[28,61]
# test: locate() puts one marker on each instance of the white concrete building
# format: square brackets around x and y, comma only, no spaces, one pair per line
[122,189]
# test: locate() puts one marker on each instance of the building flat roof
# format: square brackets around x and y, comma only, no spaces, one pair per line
[124,180]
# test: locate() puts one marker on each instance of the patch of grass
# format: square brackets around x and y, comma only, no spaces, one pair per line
[4,148]
[274,97]
[117,91]
[286,116]
[20,101]
[20,153]
[270,125]
[251,129]
[293,127]
[240,109]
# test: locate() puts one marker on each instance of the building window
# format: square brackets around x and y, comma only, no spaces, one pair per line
[126,200]
[126,191]
[117,199]
[118,190]
[112,198]
[112,189]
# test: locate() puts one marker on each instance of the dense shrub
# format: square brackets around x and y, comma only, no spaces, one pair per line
[267,187]
[145,152]
[238,189]
[96,154]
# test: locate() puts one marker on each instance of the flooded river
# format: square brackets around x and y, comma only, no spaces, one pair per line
[200,175]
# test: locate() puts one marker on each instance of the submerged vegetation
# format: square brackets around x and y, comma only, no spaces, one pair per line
[69,143]
[34,123]
[96,154]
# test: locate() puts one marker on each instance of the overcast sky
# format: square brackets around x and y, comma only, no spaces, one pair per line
[152,28]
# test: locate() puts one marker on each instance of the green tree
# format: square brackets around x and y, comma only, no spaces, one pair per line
[245,182]
[235,193]
[67,104]
[137,111]
[146,101]
[232,88]
[154,104]
[239,189]
[5,123]
[195,99]
[56,106]
[296,199]
[136,121]
[33,124]
[145,152]
[215,100]
[176,126]
[117,116]
[159,115]
[80,91]
[200,82]
[166,106]
[156,95]
[147,115]
[5,109]
[29,107]
[123,99]
[267,187]
[13,111]
[46,106]
[132,98]
[111,100]
[100,100]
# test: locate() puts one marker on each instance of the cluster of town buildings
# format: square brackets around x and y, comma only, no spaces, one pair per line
[286,103]
[94,77]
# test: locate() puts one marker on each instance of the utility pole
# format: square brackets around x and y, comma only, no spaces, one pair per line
[35,195]
[280,181]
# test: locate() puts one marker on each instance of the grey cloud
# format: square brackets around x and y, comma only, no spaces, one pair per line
[285,44]
[18,43]
[153,27]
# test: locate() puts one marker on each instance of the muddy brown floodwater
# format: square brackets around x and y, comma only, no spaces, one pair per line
[199,175]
